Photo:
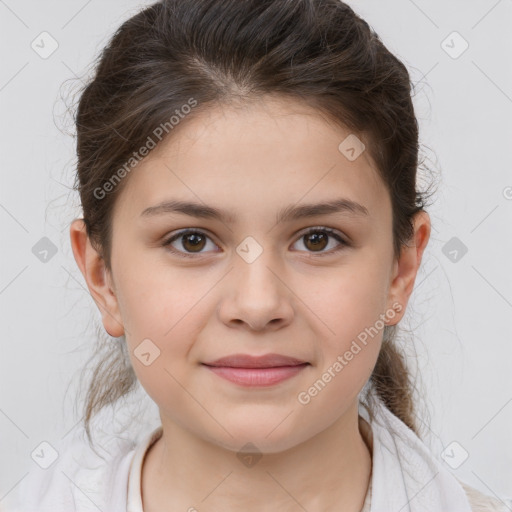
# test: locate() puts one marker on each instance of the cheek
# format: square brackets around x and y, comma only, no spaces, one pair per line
[351,308]
[162,335]
[348,300]
[350,304]
[156,300]
[159,313]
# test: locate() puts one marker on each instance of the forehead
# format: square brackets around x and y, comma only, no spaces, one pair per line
[253,159]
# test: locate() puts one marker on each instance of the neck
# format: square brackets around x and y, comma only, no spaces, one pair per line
[182,471]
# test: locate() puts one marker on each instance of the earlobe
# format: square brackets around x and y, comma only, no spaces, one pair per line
[97,277]
[405,269]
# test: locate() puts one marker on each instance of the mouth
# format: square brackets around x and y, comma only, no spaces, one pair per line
[249,361]
[256,371]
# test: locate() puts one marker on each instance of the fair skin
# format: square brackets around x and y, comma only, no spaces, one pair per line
[293,299]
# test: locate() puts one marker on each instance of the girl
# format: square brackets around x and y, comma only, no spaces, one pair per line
[251,235]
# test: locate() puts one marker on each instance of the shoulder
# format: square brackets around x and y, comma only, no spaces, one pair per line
[80,479]
[481,502]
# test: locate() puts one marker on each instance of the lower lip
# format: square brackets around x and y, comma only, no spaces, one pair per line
[257,376]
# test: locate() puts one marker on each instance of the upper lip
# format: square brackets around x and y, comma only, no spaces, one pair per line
[248,361]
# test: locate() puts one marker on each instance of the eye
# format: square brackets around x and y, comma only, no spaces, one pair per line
[317,238]
[191,240]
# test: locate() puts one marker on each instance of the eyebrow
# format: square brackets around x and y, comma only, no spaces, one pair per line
[287,214]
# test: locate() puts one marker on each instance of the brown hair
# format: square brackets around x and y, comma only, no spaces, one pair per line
[219,51]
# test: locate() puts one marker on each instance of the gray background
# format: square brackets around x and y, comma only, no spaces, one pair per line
[460,311]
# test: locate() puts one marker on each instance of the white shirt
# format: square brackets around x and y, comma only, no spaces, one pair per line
[82,481]
[134,503]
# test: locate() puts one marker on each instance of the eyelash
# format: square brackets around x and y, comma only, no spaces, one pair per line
[334,234]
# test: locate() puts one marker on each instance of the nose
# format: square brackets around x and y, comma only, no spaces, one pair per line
[256,295]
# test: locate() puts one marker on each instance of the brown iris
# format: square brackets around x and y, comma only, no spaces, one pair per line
[194,240]
[318,240]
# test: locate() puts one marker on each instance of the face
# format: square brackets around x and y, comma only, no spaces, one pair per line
[266,276]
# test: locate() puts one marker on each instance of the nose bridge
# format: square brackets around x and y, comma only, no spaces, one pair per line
[257,294]
[256,265]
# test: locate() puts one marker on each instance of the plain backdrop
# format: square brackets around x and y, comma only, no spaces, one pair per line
[461,308]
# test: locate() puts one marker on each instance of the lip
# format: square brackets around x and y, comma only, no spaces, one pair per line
[248,361]
[252,377]
[255,371]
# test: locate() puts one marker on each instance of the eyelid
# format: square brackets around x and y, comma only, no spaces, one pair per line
[331,231]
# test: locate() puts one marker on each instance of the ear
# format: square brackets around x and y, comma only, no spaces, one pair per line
[97,277]
[406,267]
